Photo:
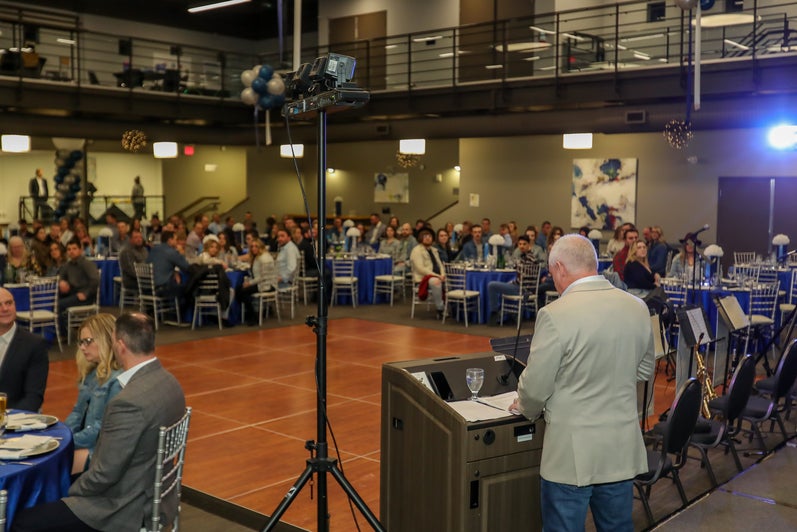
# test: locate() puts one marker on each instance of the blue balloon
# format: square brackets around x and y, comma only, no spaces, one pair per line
[266,101]
[265,72]
[260,86]
[277,100]
[75,187]
[76,155]
[58,213]
[705,5]
[58,179]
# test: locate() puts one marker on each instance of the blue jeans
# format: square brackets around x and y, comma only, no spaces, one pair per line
[564,507]
[495,289]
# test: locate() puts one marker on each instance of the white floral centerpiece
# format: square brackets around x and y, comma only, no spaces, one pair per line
[348,223]
[104,241]
[781,242]
[713,251]
[352,234]
[713,272]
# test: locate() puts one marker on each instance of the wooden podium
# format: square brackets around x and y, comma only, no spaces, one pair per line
[440,472]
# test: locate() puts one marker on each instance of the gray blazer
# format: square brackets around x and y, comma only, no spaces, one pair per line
[116,491]
[590,348]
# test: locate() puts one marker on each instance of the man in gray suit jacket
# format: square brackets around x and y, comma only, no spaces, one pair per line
[115,492]
[590,348]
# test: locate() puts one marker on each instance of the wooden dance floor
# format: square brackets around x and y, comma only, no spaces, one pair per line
[253,398]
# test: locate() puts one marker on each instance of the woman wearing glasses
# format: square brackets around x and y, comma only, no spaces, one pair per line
[97,384]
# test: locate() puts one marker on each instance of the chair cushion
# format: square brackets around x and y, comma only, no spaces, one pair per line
[344,280]
[766,385]
[36,315]
[786,307]
[757,407]
[653,465]
[760,319]
[461,294]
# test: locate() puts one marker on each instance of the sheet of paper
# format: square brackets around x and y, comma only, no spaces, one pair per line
[485,408]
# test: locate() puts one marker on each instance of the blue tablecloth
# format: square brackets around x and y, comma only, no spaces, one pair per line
[479,279]
[365,270]
[47,480]
[603,264]
[110,269]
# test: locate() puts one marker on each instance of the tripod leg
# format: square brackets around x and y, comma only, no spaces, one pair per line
[292,493]
[350,491]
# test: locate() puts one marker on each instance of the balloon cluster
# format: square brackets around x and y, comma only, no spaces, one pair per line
[263,87]
[68,173]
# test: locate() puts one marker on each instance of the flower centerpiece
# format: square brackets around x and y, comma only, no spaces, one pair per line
[497,242]
[104,241]
[352,234]
[713,253]
[455,236]
[781,242]
[238,228]
[595,235]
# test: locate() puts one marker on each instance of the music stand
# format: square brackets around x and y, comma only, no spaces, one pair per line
[731,319]
[693,326]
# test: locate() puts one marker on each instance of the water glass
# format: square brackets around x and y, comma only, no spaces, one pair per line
[475,379]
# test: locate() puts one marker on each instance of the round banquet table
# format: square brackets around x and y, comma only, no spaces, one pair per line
[365,269]
[46,480]
[479,279]
[110,269]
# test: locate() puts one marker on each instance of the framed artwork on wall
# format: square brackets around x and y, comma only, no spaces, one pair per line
[603,193]
[391,188]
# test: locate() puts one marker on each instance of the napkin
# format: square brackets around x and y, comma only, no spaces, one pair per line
[22,447]
[24,422]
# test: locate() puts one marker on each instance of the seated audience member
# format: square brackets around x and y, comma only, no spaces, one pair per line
[443,245]
[616,243]
[25,363]
[375,231]
[542,237]
[132,253]
[216,226]
[16,260]
[264,279]
[97,372]
[684,263]
[66,231]
[193,241]
[408,241]
[638,276]
[80,280]
[57,259]
[39,258]
[621,257]
[336,235]
[305,245]
[212,252]
[228,251]
[164,258]
[535,251]
[287,260]
[115,493]
[495,289]
[658,251]
[55,233]
[390,245]
[120,237]
[86,244]
[475,249]
[428,268]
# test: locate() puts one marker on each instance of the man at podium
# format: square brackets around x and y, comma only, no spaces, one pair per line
[590,348]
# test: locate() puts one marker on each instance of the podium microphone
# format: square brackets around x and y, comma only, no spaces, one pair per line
[704,228]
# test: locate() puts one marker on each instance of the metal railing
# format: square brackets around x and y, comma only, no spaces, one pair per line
[96,207]
[611,37]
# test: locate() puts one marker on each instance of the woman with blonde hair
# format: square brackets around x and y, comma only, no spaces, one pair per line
[16,261]
[637,275]
[97,384]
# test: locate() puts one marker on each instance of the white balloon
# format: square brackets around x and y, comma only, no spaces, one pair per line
[275,86]
[256,70]
[246,77]
[686,5]
[248,96]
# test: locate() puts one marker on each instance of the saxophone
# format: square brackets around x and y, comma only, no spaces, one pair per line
[705,380]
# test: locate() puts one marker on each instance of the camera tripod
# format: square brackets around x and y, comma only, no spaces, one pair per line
[321,464]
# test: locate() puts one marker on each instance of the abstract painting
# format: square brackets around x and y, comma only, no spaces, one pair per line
[391,188]
[604,193]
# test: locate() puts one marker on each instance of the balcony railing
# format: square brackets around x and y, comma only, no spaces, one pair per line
[615,37]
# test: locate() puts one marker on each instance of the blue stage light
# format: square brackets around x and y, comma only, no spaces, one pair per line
[783,137]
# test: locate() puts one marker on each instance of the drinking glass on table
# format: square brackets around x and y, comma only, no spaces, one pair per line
[3,413]
[475,378]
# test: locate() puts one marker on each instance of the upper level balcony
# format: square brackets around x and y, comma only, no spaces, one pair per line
[543,73]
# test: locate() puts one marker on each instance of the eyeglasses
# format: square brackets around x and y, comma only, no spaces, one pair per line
[85,342]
